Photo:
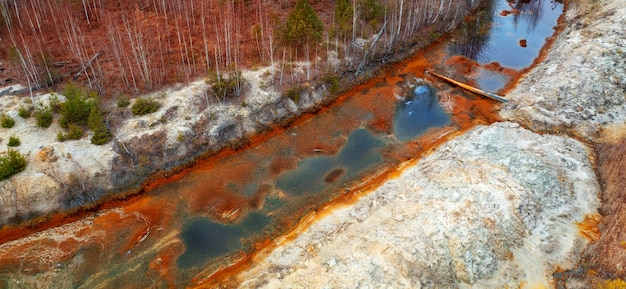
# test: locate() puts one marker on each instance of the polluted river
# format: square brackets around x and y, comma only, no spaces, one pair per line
[218,213]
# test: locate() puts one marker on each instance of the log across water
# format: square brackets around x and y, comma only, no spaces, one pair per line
[470,88]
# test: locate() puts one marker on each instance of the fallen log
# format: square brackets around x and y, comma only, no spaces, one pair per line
[87,65]
[367,52]
[470,88]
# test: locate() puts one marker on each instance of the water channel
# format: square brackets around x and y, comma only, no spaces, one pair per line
[226,207]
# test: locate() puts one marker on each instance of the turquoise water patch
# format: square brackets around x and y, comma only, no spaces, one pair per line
[418,113]
[360,152]
[205,239]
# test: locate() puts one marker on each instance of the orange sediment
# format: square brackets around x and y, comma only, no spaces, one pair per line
[588,228]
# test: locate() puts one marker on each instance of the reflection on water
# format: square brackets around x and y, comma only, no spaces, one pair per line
[418,113]
[473,35]
[491,81]
[495,33]
[534,23]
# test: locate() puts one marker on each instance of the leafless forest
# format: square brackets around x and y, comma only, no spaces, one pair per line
[134,46]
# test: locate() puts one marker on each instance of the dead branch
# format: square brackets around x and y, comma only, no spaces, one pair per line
[87,65]
[371,48]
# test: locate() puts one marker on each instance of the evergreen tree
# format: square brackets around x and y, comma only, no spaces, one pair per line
[303,26]
[343,16]
[372,11]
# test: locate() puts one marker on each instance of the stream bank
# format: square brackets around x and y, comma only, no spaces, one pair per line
[546,197]
[74,175]
[533,204]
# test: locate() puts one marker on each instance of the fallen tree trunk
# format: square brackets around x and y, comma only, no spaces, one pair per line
[470,88]
[367,52]
[87,65]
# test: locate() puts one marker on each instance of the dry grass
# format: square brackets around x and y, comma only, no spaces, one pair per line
[606,257]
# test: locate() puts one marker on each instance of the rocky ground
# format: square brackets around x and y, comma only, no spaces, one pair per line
[579,88]
[64,176]
[505,205]
[495,207]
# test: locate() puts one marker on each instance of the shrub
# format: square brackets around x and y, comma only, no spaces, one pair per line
[101,137]
[43,117]
[74,132]
[95,120]
[7,121]
[11,163]
[294,92]
[54,103]
[75,110]
[123,102]
[24,112]
[226,85]
[333,82]
[96,124]
[434,35]
[145,106]
[14,141]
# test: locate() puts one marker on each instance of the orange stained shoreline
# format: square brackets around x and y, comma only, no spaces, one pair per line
[348,198]
[142,214]
[486,111]
[225,277]
[589,227]
[10,233]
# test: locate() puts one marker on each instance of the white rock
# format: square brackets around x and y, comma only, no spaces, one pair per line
[583,86]
[495,207]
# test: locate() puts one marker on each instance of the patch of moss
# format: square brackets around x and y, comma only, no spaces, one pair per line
[612,284]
